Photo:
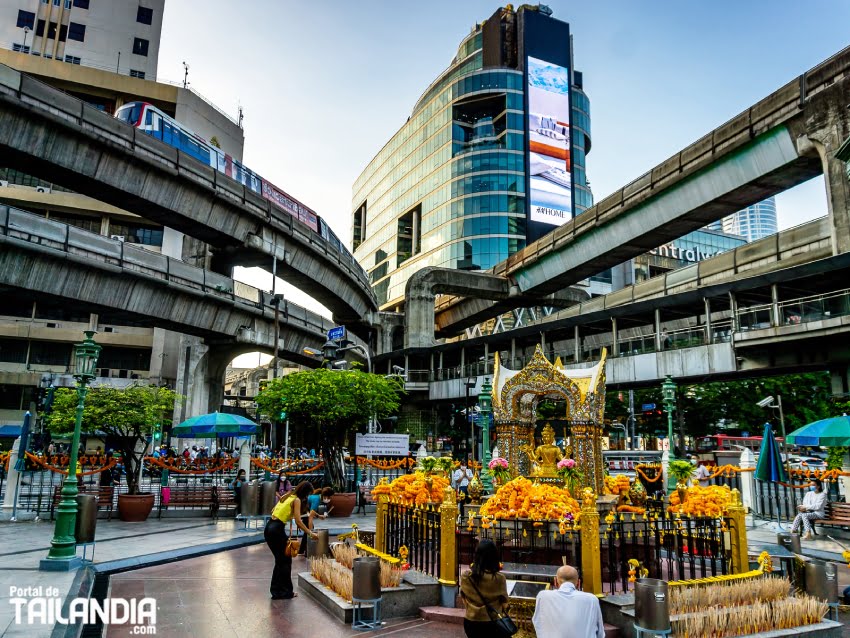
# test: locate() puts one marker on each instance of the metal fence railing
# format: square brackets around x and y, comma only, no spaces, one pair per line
[418,529]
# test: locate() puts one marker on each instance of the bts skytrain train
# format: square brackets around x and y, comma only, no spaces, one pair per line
[155,123]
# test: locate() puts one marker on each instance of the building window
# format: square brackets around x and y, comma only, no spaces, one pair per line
[140,46]
[408,238]
[137,74]
[39,28]
[70,59]
[26,19]
[359,225]
[81,4]
[20,48]
[67,4]
[144,15]
[77,32]
[56,3]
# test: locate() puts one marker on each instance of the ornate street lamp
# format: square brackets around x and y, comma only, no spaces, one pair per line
[668,392]
[329,351]
[63,551]
[485,402]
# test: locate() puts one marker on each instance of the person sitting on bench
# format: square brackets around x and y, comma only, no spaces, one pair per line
[813,508]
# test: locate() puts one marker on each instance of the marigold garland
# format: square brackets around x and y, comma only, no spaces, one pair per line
[58,470]
[193,467]
[4,459]
[378,464]
[520,498]
[277,467]
[640,472]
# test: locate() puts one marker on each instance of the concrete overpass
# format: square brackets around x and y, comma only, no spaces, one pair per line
[57,137]
[787,138]
[779,304]
[134,286]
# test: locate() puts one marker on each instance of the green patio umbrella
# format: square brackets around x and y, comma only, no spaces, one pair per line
[769,467]
[214,425]
[832,432]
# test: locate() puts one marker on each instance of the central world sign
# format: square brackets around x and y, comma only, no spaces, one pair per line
[693,254]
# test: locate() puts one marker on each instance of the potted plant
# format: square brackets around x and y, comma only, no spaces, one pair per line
[127,418]
[681,471]
[333,404]
[499,467]
[568,470]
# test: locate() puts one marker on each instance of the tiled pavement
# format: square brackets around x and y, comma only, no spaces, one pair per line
[220,594]
[227,594]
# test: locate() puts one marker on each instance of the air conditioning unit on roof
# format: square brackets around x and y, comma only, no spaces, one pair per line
[118,237]
[3,183]
[42,189]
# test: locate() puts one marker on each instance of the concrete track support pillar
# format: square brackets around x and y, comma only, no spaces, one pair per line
[708,336]
[615,336]
[658,341]
[775,319]
[577,339]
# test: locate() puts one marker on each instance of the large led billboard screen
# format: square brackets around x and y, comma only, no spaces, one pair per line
[550,191]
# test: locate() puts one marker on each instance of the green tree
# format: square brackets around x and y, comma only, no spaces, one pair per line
[335,403]
[127,416]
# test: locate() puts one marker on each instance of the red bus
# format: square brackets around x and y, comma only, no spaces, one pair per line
[708,446]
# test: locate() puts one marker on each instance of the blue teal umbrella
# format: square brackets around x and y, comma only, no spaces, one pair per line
[769,466]
[216,424]
[832,432]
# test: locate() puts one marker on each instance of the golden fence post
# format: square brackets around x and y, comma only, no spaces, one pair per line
[448,538]
[591,565]
[738,532]
[381,521]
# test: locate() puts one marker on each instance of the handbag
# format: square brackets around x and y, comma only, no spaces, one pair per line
[505,626]
[292,546]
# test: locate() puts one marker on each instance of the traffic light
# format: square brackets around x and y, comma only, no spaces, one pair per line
[157,433]
[264,384]
[283,415]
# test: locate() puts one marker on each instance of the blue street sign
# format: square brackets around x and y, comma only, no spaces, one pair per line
[336,333]
[646,407]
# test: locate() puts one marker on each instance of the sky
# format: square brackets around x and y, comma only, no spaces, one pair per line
[325,84]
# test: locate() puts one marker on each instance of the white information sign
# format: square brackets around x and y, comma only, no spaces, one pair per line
[382,444]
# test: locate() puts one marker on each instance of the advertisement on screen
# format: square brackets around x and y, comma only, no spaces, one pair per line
[550,190]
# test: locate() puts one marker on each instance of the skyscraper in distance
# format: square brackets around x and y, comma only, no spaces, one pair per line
[491,158]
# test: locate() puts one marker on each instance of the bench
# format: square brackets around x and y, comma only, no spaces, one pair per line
[197,497]
[837,515]
[104,496]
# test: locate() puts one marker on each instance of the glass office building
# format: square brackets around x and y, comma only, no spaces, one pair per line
[752,223]
[491,158]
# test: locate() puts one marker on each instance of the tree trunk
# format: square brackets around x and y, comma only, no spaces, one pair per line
[332,456]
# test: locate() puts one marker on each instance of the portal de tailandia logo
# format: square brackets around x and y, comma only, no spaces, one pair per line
[44,606]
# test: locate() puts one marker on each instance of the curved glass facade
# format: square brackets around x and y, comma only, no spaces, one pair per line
[449,188]
[754,222]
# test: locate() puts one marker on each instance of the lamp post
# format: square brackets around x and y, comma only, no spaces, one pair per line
[26,33]
[63,548]
[470,383]
[485,402]
[668,391]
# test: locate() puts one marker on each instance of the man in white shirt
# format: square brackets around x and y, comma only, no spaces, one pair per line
[702,474]
[461,479]
[566,611]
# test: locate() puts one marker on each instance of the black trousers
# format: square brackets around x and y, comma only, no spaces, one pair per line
[480,629]
[276,538]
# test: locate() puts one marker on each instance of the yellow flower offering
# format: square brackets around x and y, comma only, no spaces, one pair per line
[414,489]
[520,498]
[702,501]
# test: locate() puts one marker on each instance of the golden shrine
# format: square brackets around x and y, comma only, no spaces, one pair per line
[516,394]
